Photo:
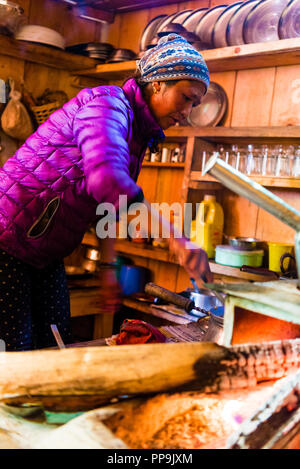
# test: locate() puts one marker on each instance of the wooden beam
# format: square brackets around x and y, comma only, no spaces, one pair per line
[93,14]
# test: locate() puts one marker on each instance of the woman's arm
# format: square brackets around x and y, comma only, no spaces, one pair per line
[189,255]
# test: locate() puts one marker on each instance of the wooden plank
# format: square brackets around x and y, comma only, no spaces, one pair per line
[272,229]
[258,55]
[132,25]
[245,57]
[267,181]
[148,180]
[253,97]
[222,134]
[227,81]
[286,100]
[44,55]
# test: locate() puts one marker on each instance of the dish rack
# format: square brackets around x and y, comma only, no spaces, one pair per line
[41,113]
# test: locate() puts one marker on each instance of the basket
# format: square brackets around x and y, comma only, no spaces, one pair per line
[41,113]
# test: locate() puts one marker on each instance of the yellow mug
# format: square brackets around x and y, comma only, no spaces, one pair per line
[276,250]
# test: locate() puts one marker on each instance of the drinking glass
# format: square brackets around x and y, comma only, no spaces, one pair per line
[296,163]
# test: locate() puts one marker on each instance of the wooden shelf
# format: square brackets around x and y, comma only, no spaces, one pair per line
[44,55]
[150,164]
[126,247]
[197,181]
[247,56]
[291,134]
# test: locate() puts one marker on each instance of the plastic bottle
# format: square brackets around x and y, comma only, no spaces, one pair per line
[209,225]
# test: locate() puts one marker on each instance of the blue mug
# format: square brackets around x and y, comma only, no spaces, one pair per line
[133,279]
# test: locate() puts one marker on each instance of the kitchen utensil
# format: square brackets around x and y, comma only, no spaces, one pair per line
[245,244]
[289,22]
[193,19]
[276,250]
[171,28]
[215,293]
[133,278]
[121,55]
[227,255]
[150,31]
[57,336]
[212,108]
[40,34]
[261,24]
[270,274]
[11,15]
[234,32]
[205,26]
[220,27]
[192,302]
[165,22]
[181,16]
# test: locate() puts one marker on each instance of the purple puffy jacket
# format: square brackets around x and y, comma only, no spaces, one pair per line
[88,152]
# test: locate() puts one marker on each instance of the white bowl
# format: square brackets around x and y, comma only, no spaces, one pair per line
[40,34]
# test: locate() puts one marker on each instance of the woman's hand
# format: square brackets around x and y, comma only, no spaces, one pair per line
[192,258]
[110,291]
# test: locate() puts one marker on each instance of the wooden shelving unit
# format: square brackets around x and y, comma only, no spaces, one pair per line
[245,57]
[248,56]
[147,251]
[44,55]
[150,164]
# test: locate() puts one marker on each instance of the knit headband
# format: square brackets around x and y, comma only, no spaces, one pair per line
[173,58]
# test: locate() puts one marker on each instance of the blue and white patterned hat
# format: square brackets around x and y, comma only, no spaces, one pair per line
[173,58]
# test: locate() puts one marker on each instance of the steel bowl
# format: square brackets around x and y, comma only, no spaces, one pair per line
[245,244]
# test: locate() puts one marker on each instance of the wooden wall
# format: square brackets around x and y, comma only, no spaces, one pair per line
[37,78]
[259,97]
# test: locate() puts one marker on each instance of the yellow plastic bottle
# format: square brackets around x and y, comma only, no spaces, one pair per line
[208,229]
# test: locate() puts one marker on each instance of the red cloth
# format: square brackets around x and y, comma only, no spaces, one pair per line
[134,331]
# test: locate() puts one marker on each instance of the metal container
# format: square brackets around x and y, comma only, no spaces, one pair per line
[206,301]
[245,244]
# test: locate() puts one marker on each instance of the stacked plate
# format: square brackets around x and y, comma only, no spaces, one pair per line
[242,22]
[100,51]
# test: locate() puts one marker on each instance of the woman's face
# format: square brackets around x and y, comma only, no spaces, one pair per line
[172,103]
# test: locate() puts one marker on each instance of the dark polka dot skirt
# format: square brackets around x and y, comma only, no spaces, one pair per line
[30,301]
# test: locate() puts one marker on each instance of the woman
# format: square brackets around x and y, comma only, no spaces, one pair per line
[88,152]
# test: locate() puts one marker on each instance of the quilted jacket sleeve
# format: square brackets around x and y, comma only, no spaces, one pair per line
[101,129]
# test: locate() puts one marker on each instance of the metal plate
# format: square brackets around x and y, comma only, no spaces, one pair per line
[150,31]
[166,21]
[289,23]
[212,108]
[261,24]
[234,33]
[205,26]
[181,16]
[220,27]
[193,19]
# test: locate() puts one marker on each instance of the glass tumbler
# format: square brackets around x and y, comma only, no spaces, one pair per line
[296,163]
